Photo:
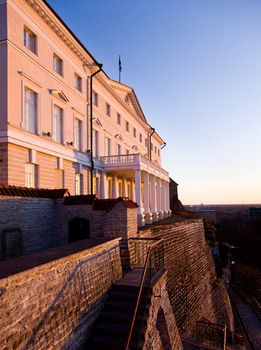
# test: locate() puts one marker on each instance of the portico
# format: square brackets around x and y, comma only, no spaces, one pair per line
[134,176]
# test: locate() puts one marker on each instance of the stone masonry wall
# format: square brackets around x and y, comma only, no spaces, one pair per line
[194,290]
[33,224]
[162,331]
[55,304]
[26,225]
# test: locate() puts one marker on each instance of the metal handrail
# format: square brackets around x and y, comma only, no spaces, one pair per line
[151,248]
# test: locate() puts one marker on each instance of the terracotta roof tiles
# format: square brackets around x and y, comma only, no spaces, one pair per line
[15,191]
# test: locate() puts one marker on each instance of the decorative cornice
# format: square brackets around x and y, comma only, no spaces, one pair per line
[58,29]
[97,122]
[29,78]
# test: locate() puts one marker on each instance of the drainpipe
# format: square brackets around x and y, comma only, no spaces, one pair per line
[91,124]
[153,130]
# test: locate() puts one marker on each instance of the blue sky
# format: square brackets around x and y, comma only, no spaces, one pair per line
[196,68]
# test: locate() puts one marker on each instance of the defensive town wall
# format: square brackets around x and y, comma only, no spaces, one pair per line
[30,224]
[56,301]
[195,292]
[54,304]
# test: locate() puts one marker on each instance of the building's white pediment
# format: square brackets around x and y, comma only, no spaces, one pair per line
[118,137]
[97,122]
[59,94]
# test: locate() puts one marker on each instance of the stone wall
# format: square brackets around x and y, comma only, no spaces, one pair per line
[194,290]
[33,224]
[55,304]
[162,331]
[26,225]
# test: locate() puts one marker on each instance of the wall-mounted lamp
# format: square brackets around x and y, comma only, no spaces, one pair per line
[46,133]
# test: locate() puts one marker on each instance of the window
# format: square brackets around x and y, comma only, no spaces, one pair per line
[108,109]
[30,175]
[30,40]
[30,110]
[134,132]
[78,184]
[107,146]
[77,82]
[77,134]
[95,98]
[57,64]
[58,124]
[127,151]
[140,137]
[118,149]
[127,126]
[158,152]
[118,118]
[95,143]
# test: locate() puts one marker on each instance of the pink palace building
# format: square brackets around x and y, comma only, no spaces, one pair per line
[48,108]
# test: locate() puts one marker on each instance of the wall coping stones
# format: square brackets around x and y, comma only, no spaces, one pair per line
[16,270]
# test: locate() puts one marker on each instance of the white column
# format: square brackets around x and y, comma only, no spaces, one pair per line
[168,200]
[146,193]
[133,191]
[124,187]
[153,199]
[159,204]
[138,196]
[148,214]
[164,196]
[115,187]
[103,185]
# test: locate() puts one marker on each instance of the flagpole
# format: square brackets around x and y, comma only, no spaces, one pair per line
[119,68]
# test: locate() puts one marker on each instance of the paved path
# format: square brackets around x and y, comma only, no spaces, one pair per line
[249,318]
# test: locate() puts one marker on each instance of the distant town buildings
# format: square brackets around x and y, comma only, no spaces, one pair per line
[45,122]
[254,213]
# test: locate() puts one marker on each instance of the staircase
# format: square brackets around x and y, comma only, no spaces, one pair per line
[112,327]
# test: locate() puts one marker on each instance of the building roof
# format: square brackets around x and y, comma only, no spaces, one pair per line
[108,204]
[15,191]
[80,200]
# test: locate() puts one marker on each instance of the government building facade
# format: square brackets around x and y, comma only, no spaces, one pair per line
[57,130]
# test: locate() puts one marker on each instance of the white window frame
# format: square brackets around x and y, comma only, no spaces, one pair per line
[95,99]
[108,109]
[118,119]
[78,82]
[95,143]
[77,134]
[118,149]
[26,118]
[28,36]
[78,184]
[54,131]
[107,146]
[58,69]
[30,175]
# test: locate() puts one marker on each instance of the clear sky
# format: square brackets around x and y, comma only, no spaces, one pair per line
[196,68]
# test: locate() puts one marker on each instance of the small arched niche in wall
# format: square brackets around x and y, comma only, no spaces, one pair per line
[79,228]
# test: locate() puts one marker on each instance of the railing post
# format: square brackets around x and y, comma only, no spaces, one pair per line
[225,337]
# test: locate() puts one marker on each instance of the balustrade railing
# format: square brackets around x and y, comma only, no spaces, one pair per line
[121,158]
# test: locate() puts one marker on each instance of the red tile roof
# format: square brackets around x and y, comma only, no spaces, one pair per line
[78,200]
[108,204]
[15,191]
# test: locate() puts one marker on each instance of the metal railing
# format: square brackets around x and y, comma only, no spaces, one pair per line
[153,266]
[213,335]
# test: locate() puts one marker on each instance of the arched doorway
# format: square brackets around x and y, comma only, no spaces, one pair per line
[79,228]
